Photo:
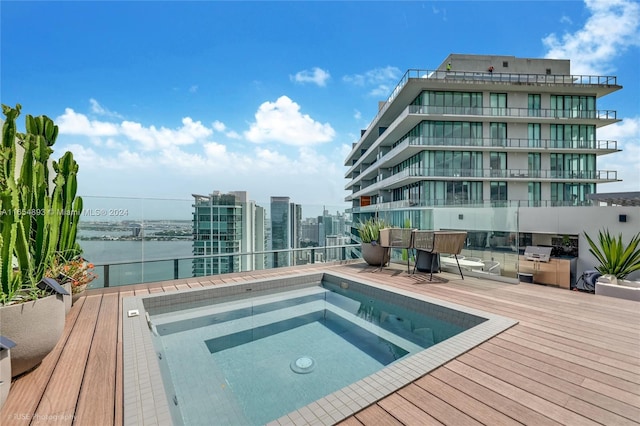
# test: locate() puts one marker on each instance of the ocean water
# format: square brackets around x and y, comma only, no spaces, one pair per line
[143,258]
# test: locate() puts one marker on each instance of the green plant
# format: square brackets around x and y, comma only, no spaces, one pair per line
[38,220]
[369,230]
[615,259]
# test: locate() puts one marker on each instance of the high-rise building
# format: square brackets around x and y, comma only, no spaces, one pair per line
[479,131]
[281,229]
[227,224]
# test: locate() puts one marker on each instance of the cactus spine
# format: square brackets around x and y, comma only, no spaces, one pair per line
[37,223]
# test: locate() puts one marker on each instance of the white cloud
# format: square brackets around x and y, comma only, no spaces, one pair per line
[96,108]
[281,121]
[79,124]
[220,127]
[612,28]
[315,75]
[175,162]
[193,89]
[380,79]
[153,138]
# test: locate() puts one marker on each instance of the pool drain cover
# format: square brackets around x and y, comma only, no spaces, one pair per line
[303,365]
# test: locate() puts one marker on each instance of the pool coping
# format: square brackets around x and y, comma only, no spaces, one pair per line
[145,400]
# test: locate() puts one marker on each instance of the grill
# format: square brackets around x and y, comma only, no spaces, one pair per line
[540,254]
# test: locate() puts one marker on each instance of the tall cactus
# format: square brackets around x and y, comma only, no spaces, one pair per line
[38,222]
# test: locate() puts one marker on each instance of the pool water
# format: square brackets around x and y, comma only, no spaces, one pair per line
[251,361]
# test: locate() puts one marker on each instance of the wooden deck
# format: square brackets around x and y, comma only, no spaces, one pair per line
[574,359]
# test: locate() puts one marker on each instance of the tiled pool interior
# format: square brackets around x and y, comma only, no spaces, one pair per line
[145,396]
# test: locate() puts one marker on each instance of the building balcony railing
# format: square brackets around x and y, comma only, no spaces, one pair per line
[465,203]
[514,112]
[521,143]
[414,174]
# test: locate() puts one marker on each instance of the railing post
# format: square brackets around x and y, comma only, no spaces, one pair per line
[313,255]
[106,276]
[176,273]
[343,253]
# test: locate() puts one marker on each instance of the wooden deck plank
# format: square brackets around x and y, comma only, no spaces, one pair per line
[605,405]
[520,346]
[463,402]
[510,408]
[61,395]
[437,408]
[26,390]
[553,410]
[97,395]
[403,411]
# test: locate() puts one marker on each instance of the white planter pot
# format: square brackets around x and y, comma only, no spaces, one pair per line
[629,290]
[5,374]
[35,327]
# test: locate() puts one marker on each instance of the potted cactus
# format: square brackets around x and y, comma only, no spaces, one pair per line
[38,222]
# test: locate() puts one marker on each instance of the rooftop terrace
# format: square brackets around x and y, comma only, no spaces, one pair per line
[573,358]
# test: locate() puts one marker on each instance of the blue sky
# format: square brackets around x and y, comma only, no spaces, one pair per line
[165,99]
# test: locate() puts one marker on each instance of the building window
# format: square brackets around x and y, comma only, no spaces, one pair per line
[548,71]
[505,64]
[438,193]
[571,194]
[444,133]
[534,105]
[434,102]
[533,131]
[534,194]
[453,163]
[567,106]
[498,132]
[573,166]
[534,164]
[498,193]
[498,164]
[572,136]
[498,102]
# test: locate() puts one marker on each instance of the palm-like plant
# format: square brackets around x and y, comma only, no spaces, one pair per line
[369,230]
[615,259]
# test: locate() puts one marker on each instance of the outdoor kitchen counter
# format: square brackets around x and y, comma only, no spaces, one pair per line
[558,271]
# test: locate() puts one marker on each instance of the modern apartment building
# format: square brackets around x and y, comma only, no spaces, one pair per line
[477,141]
[227,223]
[484,129]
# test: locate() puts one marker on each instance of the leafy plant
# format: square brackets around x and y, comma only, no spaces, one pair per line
[615,259]
[369,230]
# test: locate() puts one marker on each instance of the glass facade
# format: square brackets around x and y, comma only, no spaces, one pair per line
[217,229]
[436,102]
[572,136]
[450,133]
[573,106]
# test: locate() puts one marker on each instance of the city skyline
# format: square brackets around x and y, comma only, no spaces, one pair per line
[180,98]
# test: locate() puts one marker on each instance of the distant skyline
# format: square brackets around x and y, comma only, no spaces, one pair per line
[166,99]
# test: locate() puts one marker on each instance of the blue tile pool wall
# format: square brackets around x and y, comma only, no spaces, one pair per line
[145,399]
[199,297]
[461,319]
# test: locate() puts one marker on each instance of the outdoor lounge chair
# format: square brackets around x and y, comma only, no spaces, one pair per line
[436,242]
[399,238]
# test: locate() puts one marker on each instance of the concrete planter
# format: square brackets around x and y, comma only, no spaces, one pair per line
[5,368]
[624,289]
[35,327]
[374,254]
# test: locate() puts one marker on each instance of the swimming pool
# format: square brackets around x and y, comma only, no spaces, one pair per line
[316,347]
